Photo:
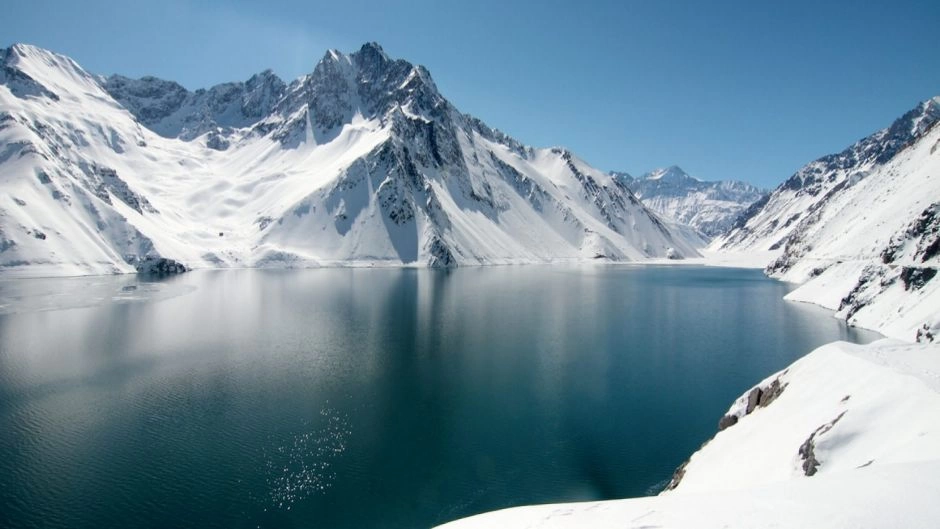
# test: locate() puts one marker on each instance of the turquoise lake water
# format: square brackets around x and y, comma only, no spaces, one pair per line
[360,398]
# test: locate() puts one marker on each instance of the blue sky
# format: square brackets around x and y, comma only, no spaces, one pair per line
[726,89]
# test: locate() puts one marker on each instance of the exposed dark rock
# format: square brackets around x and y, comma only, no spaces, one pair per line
[818,271]
[727,421]
[762,397]
[752,399]
[925,334]
[864,291]
[264,222]
[217,142]
[914,278]
[770,393]
[677,476]
[160,266]
[810,463]
[440,255]
[758,397]
[924,232]
[106,183]
[807,450]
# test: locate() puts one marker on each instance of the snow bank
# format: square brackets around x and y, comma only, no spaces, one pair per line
[868,415]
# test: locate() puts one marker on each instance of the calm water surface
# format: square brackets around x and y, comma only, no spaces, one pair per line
[371,398]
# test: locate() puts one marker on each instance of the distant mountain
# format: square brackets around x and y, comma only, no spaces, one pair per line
[710,207]
[361,162]
[862,227]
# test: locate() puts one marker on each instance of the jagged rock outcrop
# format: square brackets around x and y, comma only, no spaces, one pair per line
[172,111]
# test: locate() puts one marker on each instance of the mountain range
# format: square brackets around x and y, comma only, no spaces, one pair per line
[361,162]
[710,207]
[860,228]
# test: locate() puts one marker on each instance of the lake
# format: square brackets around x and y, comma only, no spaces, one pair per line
[360,398]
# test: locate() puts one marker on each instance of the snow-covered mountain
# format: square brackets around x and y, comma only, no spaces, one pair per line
[710,207]
[171,111]
[861,228]
[361,162]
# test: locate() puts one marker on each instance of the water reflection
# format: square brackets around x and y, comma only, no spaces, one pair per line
[372,398]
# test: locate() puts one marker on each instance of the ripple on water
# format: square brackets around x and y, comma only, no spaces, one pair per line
[24,296]
[303,466]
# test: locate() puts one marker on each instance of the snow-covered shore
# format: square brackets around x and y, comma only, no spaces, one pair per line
[865,419]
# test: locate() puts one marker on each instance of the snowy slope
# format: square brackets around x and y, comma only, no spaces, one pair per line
[710,207]
[864,418]
[861,228]
[361,162]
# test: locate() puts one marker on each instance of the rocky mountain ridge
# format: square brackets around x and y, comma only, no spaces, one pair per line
[712,208]
[859,228]
[362,162]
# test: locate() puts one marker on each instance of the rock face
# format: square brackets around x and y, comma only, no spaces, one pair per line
[758,397]
[712,208]
[160,266]
[861,227]
[360,162]
[807,450]
[170,110]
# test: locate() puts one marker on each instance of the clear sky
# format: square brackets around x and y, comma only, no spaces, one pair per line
[748,90]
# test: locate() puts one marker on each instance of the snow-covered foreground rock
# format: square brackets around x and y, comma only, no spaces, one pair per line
[849,439]
[361,162]
[860,229]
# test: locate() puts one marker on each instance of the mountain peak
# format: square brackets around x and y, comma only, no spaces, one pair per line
[27,50]
[332,56]
[373,49]
[671,174]
[623,176]
[31,71]
[371,56]
[25,56]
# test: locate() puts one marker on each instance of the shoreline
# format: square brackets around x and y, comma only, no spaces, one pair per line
[870,411]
